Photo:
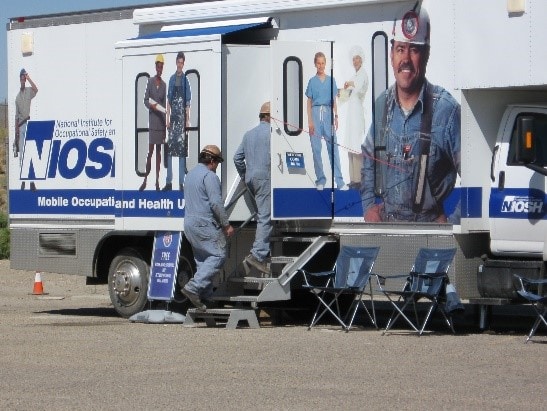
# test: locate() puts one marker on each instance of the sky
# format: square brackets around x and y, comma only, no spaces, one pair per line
[11,9]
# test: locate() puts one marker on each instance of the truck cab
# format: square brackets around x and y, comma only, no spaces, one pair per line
[517,197]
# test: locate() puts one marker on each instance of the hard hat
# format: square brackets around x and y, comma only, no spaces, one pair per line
[212,151]
[159,58]
[412,26]
[265,108]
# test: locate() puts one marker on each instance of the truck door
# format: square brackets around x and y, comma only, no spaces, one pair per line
[517,197]
[297,191]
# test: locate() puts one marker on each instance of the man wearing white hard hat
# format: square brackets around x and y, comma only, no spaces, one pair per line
[411,155]
[252,160]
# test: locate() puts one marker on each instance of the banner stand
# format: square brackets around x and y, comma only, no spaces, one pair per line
[163,274]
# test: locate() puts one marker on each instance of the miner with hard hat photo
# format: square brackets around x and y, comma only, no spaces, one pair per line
[154,100]
[411,154]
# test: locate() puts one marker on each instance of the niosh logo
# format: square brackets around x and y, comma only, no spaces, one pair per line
[45,157]
[521,204]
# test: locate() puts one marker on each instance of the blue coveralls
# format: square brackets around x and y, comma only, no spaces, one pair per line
[322,93]
[204,219]
[399,164]
[252,160]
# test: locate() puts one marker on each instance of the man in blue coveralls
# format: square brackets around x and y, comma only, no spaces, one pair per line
[252,161]
[416,149]
[206,225]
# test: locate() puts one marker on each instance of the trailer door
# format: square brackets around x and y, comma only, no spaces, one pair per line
[294,191]
[517,200]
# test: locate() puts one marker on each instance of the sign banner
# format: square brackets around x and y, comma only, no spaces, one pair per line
[163,269]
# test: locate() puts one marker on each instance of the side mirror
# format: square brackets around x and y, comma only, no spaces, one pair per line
[526,144]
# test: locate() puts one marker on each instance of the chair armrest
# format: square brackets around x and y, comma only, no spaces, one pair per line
[380,279]
[387,277]
[430,275]
[526,287]
[322,274]
[383,279]
[530,280]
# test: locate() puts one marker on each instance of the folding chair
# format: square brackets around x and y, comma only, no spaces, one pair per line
[350,276]
[427,280]
[533,292]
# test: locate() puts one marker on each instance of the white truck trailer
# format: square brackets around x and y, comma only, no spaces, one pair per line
[87,138]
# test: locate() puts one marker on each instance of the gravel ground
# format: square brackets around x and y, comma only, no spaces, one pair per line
[69,350]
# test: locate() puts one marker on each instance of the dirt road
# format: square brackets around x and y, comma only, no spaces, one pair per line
[69,350]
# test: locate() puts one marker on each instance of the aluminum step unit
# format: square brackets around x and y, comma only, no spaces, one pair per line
[230,316]
[253,289]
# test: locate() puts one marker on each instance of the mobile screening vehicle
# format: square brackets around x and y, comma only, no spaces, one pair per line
[87,138]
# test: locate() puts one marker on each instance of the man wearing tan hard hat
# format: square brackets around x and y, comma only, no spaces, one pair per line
[252,161]
[412,162]
[206,225]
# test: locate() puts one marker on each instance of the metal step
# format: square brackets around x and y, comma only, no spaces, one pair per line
[236,298]
[252,280]
[232,316]
[293,239]
[271,291]
[282,259]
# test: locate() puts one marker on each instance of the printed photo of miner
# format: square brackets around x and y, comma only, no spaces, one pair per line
[411,163]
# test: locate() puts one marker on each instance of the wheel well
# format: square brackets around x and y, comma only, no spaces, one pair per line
[112,244]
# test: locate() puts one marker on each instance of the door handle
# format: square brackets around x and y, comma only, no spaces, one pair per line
[501,180]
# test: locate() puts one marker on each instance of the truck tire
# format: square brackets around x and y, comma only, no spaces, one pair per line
[128,282]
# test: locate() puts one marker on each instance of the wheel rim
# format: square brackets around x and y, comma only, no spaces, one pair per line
[126,282]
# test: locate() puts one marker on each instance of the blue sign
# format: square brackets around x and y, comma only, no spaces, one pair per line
[163,269]
[295,160]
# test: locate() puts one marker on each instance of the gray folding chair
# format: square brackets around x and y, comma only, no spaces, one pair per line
[535,293]
[350,276]
[426,280]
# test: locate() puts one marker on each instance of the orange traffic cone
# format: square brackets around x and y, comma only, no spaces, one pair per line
[38,286]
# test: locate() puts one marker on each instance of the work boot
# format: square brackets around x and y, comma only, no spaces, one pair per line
[194,299]
[168,187]
[259,265]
